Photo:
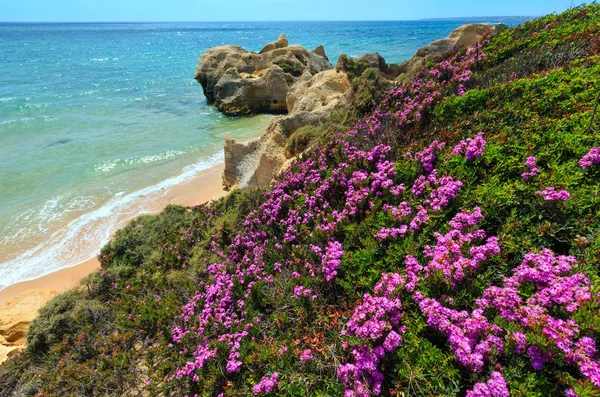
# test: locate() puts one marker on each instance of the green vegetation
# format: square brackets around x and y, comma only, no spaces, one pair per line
[301,139]
[130,328]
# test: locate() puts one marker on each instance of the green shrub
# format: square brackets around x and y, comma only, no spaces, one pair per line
[301,139]
[64,316]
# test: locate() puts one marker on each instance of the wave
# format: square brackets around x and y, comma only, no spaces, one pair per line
[83,237]
[21,120]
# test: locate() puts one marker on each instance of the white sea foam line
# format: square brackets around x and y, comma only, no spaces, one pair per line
[61,249]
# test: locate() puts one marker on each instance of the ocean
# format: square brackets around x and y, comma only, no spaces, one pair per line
[96,117]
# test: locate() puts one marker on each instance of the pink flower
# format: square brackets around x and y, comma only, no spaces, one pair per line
[266,384]
[306,355]
[533,169]
[551,194]
[471,147]
[494,387]
[592,157]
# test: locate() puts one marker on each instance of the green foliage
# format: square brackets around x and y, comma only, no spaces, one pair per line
[368,87]
[289,67]
[63,317]
[301,139]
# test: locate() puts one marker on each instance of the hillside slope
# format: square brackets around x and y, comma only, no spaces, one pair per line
[446,245]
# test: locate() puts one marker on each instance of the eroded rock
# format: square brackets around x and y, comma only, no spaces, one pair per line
[242,94]
[241,82]
[281,42]
[310,102]
[374,60]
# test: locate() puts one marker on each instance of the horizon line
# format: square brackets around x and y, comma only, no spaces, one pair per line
[290,20]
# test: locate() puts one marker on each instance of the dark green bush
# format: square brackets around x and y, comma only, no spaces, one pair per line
[64,316]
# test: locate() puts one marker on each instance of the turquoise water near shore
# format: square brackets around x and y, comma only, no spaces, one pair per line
[93,116]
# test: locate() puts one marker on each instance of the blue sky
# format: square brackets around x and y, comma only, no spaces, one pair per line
[268,10]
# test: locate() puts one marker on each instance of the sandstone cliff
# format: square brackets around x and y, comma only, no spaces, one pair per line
[309,103]
[15,317]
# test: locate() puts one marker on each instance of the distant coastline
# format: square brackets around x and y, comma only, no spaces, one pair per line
[479,19]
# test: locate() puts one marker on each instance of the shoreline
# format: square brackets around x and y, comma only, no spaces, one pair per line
[203,187]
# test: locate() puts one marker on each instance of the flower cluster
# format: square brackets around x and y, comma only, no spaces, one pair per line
[471,147]
[266,384]
[494,387]
[532,166]
[471,335]
[376,322]
[592,157]
[428,156]
[551,194]
[447,256]
[332,260]
[441,191]
[553,287]
[306,355]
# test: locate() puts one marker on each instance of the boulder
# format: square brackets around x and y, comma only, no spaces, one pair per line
[314,100]
[281,42]
[374,60]
[464,36]
[241,82]
[311,102]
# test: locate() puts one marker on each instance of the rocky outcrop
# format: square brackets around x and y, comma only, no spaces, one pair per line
[255,164]
[281,42]
[241,82]
[311,95]
[310,102]
[368,60]
[374,60]
[320,50]
[245,94]
[464,36]
[213,65]
[15,317]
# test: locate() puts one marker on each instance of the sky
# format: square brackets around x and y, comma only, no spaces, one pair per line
[267,10]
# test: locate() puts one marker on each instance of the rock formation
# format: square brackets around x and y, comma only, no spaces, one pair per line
[464,36]
[281,42]
[290,79]
[240,82]
[374,60]
[310,102]
[15,317]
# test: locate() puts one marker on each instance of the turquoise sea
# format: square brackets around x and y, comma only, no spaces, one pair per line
[95,117]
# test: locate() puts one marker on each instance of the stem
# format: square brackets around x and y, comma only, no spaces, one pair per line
[594,114]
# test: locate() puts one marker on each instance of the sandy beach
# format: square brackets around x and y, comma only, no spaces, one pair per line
[204,187]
